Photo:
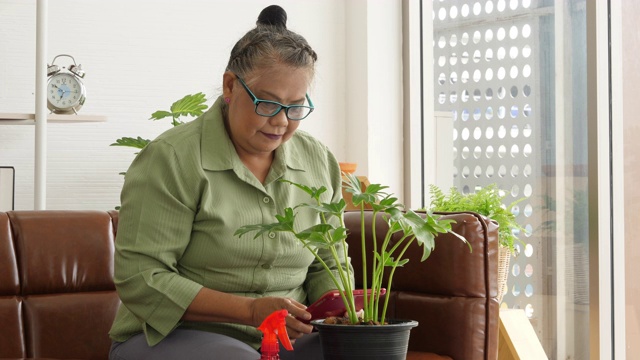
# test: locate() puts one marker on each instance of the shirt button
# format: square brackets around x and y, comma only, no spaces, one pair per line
[266,266]
[272,235]
[265,200]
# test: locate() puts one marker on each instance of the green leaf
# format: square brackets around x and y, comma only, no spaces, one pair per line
[339,234]
[384,204]
[318,228]
[462,238]
[352,184]
[318,235]
[425,229]
[288,218]
[334,209]
[359,198]
[259,228]
[395,226]
[312,191]
[138,143]
[402,262]
[386,260]
[285,223]
[316,240]
[487,201]
[190,105]
[375,189]
[160,114]
[395,213]
[388,201]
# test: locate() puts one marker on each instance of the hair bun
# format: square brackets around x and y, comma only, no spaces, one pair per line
[273,15]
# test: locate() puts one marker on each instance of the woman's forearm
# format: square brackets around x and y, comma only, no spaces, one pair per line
[216,306]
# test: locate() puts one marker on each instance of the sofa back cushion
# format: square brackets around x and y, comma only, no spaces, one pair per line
[65,262]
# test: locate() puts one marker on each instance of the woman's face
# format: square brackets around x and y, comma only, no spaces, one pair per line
[251,133]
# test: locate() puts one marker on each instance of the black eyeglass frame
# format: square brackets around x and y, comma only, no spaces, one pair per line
[257,101]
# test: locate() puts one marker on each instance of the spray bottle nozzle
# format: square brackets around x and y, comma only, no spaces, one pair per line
[274,327]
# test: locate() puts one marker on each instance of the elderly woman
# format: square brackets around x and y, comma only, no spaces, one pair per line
[189,288]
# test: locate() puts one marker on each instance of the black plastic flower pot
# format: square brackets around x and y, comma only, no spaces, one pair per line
[384,342]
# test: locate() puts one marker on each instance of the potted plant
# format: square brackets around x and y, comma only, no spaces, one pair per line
[407,226]
[487,201]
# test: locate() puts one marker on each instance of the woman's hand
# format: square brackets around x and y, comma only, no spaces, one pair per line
[215,306]
[263,307]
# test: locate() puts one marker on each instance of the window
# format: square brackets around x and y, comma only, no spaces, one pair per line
[513,75]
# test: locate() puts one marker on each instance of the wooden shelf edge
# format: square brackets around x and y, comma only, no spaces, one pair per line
[30,119]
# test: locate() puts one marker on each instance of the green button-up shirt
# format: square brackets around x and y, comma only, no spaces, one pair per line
[184,196]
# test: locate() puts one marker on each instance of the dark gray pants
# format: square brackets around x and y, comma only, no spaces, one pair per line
[187,344]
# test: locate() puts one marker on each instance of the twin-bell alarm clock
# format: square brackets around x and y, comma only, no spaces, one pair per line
[66,92]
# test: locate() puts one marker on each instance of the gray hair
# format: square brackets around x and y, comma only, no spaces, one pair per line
[271,43]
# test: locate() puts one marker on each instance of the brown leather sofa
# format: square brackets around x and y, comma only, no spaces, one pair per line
[57,298]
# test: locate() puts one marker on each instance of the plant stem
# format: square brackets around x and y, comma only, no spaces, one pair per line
[345,275]
[364,262]
[375,283]
[393,270]
[352,314]
[377,271]
[344,293]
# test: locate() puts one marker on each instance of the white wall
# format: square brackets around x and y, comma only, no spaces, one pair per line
[140,56]
[374,88]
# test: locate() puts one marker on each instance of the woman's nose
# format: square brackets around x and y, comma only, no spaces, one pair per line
[279,119]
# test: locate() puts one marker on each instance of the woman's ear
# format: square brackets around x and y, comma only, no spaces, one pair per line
[228,82]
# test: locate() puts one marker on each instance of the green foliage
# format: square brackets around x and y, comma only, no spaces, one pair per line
[487,201]
[331,232]
[190,105]
[137,143]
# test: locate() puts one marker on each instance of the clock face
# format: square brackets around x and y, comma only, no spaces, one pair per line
[65,92]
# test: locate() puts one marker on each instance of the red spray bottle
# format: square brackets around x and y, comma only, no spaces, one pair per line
[274,327]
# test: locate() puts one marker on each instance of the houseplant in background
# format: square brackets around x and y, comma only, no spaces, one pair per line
[192,105]
[487,201]
[405,227]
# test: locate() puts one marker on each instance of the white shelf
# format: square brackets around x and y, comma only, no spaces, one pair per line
[30,119]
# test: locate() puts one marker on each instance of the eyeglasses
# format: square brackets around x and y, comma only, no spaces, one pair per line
[270,108]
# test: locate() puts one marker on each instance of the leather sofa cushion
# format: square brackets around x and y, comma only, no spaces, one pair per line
[59,253]
[67,299]
[451,319]
[70,326]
